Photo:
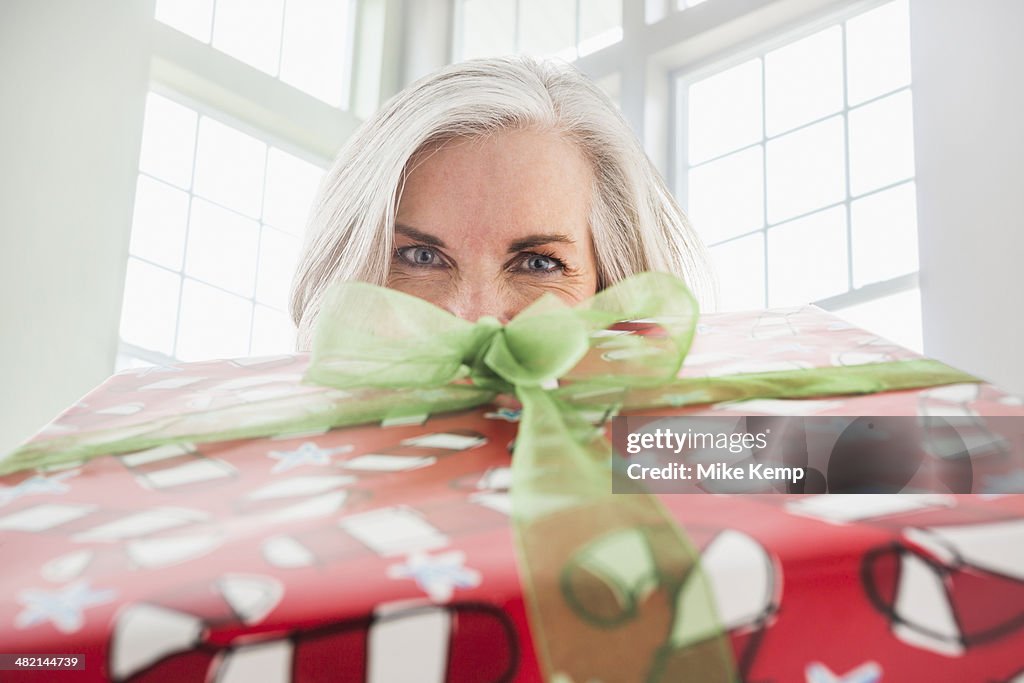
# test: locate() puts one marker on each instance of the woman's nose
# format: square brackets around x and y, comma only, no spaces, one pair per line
[472,302]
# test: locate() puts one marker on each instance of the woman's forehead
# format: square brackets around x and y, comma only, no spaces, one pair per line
[511,182]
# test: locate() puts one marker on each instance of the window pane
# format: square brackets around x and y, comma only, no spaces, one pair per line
[884,235]
[725,112]
[168,141]
[739,268]
[250,30]
[291,187]
[222,248]
[726,196]
[547,27]
[279,253]
[806,170]
[150,307]
[214,324]
[488,28]
[881,143]
[215,248]
[229,167]
[600,24]
[878,52]
[896,317]
[193,17]
[804,81]
[315,47]
[807,259]
[158,227]
[272,332]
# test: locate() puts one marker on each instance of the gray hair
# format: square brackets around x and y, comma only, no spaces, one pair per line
[636,224]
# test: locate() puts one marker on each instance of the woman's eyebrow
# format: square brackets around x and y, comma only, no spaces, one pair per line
[420,236]
[537,240]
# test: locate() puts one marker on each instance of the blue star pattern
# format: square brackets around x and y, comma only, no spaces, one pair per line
[63,608]
[868,672]
[506,414]
[306,454]
[36,484]
[439,575]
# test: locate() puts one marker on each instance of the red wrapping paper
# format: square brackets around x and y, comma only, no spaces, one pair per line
[384,552]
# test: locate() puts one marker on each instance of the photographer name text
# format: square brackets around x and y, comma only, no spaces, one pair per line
[716,472]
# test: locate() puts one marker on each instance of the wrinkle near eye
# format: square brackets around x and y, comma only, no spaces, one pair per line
[570,289]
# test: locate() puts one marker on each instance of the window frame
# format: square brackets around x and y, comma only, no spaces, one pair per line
[678,161]
[197,75]
[661,43]
[457,48]
[128,350]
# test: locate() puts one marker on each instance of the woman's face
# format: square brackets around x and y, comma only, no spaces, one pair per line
[487,225]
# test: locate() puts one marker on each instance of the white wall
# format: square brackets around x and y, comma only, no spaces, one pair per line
[968,62]
[73,93]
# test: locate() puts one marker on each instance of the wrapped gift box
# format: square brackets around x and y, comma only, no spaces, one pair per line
[384,552]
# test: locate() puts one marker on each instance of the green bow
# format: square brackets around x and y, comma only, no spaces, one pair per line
[614,587]
[613,584]
[604,575]
[369,336]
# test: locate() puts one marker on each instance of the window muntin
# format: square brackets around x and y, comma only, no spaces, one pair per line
[305,43]
[566,29]
[798,171]
[216,234]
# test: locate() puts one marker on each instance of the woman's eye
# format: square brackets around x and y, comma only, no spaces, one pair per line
[536,263]
[420,256]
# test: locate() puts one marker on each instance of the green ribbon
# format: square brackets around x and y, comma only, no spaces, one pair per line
[613,584]
[605,576]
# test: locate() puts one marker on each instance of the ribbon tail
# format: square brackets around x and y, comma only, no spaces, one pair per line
[848,380]
[614,586]
[301,413]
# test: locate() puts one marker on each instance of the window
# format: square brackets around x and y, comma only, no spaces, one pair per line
[217,229]
[248,100]
[565,29]
[797,167]
[305,43]
[785,130]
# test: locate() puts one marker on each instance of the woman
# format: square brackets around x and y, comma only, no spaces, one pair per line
[487,184]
